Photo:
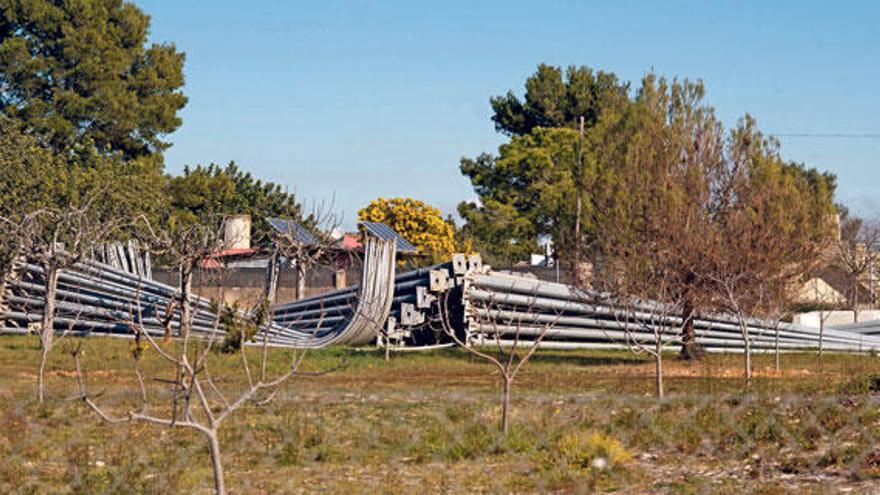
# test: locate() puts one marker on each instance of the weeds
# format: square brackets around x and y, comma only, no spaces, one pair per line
[428,423]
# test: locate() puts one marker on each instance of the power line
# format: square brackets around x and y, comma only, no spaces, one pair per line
[843,135]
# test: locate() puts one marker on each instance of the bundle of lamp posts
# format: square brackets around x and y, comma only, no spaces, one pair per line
[514,309]
[408,309]
[95,298]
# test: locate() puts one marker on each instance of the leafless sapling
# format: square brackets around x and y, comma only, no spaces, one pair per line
[652,317]
[186,245]
[505,334]
[857,256]
[198,401]
[55,238]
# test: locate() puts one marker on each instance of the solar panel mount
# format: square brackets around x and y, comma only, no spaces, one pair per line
[294,230]
[386,233]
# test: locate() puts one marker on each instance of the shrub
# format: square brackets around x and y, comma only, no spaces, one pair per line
[861,385]
[238,328]
[586,450]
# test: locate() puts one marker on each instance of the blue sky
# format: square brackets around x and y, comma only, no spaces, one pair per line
[353,100]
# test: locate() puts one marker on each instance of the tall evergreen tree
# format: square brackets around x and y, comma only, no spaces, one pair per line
[536,183]
[552,100]
[82,72]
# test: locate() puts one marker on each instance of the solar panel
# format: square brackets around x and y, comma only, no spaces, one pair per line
[386,233]
[294,230]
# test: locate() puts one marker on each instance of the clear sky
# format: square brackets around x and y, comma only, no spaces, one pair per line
[354,100]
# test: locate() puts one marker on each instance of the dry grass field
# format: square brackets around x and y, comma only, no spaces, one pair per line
[583,421]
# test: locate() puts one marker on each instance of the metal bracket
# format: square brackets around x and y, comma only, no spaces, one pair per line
[424,299]
[474,262]
[409,315]
[437,280]
[459,264]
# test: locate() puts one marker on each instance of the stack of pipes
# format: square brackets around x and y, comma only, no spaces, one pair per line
[354,315]
[870,327]
[95,297]
[413,306]
[517,308]
[406,309]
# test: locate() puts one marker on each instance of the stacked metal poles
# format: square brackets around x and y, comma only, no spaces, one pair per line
[871,327]
[519,308]
[354,315]
[95,298]
[413,298]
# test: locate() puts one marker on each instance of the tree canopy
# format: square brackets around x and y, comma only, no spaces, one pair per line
[205,192]
[418,222]
[529,189]
[33,177]
[81,72]
[526,192]
[702,208]
[632,146]
[552,100]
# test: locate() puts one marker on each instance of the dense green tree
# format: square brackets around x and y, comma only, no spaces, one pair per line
[34,177]
[81,72]
[553,101]
[528,191]
[212,191]
[535,186]
[55,208]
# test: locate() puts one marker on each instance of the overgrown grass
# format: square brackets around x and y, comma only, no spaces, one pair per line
[427,422]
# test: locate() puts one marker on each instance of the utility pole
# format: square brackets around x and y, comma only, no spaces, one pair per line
[578,173]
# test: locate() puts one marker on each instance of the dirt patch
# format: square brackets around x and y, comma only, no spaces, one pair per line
[677,369]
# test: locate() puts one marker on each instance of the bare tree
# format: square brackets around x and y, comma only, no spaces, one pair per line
[769,225]
[652,316]
[856,255]
[823,308]
[186,245]
[56,238]
[197,401]
[506,335]
[303,247]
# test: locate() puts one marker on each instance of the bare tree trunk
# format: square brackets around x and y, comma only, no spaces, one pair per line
[217,463]
[47,330]
[821,332]
[271,283]
[747,359]
[387,348]
[505,405]
[658,358]
[690,348]
[855,304]
[4,276]
[186,280]
[44,357]
[777,347]
[300,282]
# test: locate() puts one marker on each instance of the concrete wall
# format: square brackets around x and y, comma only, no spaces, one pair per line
[244,285]
[811,319]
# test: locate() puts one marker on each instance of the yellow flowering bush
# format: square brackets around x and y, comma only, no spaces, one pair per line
[418,222]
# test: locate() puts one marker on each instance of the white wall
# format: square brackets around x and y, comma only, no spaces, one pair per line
[811,319]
